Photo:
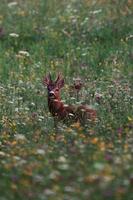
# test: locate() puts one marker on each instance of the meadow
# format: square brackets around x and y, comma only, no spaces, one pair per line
[88,40]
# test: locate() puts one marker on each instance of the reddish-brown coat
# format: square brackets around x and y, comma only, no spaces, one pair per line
[64,112]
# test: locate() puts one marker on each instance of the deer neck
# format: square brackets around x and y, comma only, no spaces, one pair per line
[55,106]
[58,109]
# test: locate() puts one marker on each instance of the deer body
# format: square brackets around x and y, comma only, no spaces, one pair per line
[63,112]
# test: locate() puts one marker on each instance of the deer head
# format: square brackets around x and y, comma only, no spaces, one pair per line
[53,87]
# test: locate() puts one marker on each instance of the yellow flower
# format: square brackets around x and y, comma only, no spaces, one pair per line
[14,143]
[14,186]
[22,13]
[82,136]
[69,130]
[94,140]
[76,125]
[1,17]
[102,146]
[130,119]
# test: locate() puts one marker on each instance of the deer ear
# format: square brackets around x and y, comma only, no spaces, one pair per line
[61,83]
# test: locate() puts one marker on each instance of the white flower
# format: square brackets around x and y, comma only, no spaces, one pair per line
[129,37]
[54,174]
[26,109]
[16,157]
[20,137]
[41,118]
[2,153]
[96,11]
[48,192]
[16,109]
[40,151]
[11,102]
[62,159]
[20,82]
[15,35]
[32,103]
[11,4]
[24,53]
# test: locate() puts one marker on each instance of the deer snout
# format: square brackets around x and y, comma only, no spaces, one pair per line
[51,94]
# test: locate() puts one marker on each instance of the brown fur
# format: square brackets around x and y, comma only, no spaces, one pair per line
[63,112]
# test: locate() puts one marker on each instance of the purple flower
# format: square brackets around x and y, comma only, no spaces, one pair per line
[108,157]
[120,130]
[14,178]
[108,193]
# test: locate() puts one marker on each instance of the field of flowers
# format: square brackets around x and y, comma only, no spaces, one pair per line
[86,40]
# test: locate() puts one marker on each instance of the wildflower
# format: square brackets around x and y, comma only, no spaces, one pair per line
[38,178]
[14,35]
[41,118]
[102,146]
[14,186]
[76,125]
[20,137]
[2,153]
[96,11]
[108,193]
[99,166]
[40,152]
[48,192]
[54,175]
[130,118]
[12,4]
[120,130]
[24,53]
[16,109]
[1,18]
[62,159]
[69,130]
[94,140]
[129,37]
[34,115]
[93,178]
[22,13]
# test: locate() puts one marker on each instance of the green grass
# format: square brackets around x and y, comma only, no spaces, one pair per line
[92,40]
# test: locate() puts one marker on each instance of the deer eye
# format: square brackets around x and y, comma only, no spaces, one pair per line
[57,89]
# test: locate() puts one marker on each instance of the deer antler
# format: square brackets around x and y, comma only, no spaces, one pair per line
[59,81]
[59,77]
[47,79]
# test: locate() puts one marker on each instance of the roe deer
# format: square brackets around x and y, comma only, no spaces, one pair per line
[61,111]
